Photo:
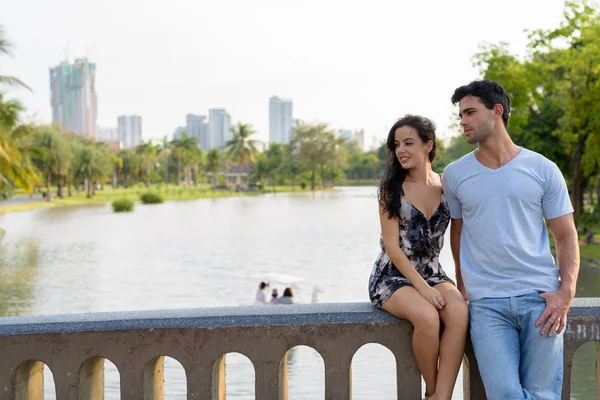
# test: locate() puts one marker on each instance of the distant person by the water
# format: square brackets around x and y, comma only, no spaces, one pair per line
[287,297]
[274,299]
[261,296]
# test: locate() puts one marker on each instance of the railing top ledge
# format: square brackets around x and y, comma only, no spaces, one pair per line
[195,318]
[585,307]
[222,317]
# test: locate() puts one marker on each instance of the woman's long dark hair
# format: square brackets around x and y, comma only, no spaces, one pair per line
[390,188]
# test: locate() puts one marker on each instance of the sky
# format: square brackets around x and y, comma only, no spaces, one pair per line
[351,64]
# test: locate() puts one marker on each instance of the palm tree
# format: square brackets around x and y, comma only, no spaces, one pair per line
[93,166]
[275,162]
[75,150]
[182,148]
[15,165]
[213,162]
[148,152]
[117,163]
[241,149]
[261,170]
[15,141]
[194,160]
[5,47]
[54,157]
[132,164]
[292,165]
[164,151]
[10,111]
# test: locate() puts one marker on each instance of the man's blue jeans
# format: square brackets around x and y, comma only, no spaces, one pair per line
[514,360]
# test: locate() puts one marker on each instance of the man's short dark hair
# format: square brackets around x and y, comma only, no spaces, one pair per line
[489,92]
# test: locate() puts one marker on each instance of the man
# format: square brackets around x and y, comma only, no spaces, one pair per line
[498,197]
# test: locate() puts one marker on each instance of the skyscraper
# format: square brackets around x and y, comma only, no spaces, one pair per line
[178,134]
[129,130]
[197,127]
[358,137]
[219,128]
[106,134]
[73,97]
[280,120]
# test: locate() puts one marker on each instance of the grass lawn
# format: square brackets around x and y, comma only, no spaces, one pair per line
[590,250]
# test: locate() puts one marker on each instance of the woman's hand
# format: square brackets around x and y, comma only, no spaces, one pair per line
[432,295]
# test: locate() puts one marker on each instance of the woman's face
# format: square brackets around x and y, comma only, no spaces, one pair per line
[410,149]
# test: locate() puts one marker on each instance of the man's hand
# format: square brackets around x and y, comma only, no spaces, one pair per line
[555,314]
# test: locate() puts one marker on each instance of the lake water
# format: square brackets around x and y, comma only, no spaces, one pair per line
[213,252]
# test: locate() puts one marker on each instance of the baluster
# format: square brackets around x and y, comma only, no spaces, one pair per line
[91,380]
[30,381]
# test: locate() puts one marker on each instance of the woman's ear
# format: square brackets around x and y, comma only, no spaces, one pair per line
[429,146]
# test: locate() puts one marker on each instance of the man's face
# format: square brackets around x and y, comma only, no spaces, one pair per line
[477,121]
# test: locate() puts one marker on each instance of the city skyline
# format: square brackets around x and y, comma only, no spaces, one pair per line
[362,71]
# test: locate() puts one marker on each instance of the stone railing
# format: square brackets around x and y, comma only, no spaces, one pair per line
[74,348]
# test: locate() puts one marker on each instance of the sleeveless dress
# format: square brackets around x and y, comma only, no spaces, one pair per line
[421,240]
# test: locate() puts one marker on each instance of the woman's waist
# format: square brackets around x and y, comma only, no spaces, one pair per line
[415,258]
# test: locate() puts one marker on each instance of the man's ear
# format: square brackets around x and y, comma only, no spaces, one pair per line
[498,111]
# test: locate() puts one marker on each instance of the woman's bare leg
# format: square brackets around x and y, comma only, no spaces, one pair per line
[408,304]
[455,316]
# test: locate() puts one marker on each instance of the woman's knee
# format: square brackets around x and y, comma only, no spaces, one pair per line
[455,313]
[427,320]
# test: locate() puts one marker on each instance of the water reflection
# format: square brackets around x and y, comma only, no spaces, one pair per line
[18,275]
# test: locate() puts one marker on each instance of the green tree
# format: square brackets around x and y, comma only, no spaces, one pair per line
[275,157]
[292,163]
[94,165]
[182,147]
[456,148]
[117,165]
[241,149]
[164,152]
[148,152]
[260,171]
[213,162]
[316,146]
[556,93]
[54,157]
[15,164]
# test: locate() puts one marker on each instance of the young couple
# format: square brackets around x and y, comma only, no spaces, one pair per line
[496,199]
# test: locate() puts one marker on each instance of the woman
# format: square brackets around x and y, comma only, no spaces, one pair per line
[287,297]
[261,297]
[407,279]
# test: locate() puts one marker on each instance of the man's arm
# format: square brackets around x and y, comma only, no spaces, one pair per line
[455,232]
[567,252]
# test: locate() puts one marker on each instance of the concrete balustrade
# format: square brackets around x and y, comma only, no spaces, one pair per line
[74,348]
